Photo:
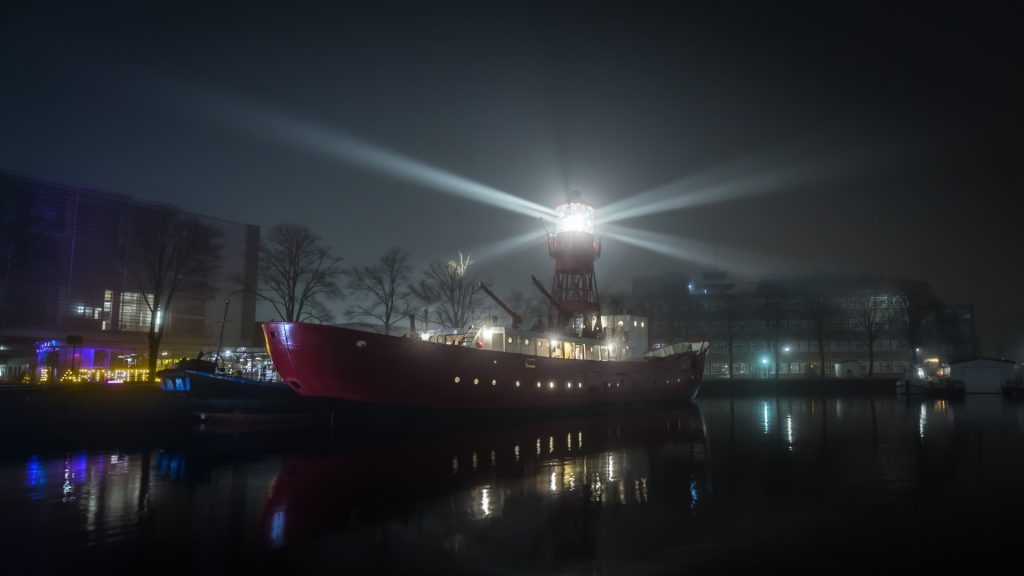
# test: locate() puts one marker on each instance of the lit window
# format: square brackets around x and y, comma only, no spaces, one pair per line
[476,380]
[538,384]
[634,323]
[568,385]
[641,323]
[457,379]
[494,382]
[551,384]
[527,341]
[517,383]
[135,312]
[509,339]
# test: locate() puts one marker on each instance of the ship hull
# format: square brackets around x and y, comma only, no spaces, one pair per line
[340,363]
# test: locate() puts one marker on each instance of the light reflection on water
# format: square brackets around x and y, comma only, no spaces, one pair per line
[683,486]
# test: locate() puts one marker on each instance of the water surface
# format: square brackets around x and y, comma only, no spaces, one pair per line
[740,485]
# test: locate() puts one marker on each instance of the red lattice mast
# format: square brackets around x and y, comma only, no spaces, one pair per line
[574,249]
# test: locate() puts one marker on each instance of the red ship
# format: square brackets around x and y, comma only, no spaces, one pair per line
[587,359]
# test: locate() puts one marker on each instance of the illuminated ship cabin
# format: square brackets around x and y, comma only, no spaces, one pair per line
[625,339]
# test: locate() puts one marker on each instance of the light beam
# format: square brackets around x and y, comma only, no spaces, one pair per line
[780,171]
[696,251]
[684,193]
[486,254]
[341,146]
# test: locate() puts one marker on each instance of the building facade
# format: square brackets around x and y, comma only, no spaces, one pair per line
[70,302]
[803,327]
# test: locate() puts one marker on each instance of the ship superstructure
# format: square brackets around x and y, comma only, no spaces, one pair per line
[578,356]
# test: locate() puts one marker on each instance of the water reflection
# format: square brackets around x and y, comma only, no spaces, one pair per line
[782,480]
[325,495]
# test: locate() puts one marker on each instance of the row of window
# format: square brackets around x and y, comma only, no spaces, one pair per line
[883,323]
[882,344]
[883,303]
[880,367]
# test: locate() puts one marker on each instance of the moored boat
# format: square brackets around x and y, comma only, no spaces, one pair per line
[334,362]
[578,357]
[198,378]
[200,389]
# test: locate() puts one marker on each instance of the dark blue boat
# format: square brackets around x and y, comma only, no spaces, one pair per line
[198,383]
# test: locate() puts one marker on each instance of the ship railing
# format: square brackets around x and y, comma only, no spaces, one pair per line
[547,345]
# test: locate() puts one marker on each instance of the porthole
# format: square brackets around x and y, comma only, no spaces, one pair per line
[494,382]
[517,383]
[527,341]
[360,343]
[457,379]
[538,384]
[551,384]
[476,380]
[509,339]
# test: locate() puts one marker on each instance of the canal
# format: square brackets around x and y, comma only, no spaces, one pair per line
[824,484]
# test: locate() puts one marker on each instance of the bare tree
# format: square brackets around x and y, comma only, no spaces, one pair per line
[529,308]
[451,290]
[296,271]
[171,253]
[773,313]
[820,310]
[869,313]
[380,289]
[917,303]
[670,312]
[730,305]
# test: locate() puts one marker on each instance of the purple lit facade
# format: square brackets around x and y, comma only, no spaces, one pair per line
[74,281]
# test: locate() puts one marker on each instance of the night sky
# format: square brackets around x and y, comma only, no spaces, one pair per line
[818,138]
